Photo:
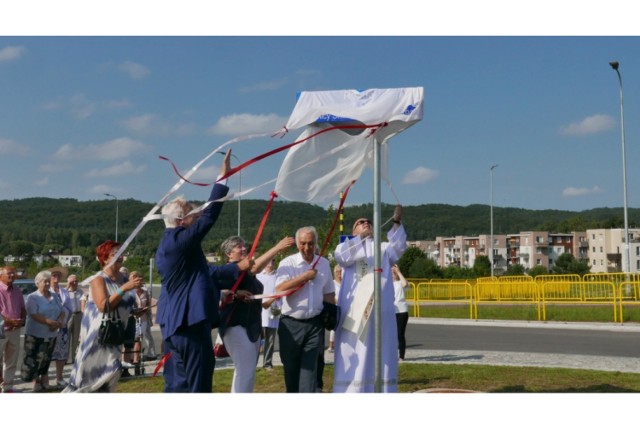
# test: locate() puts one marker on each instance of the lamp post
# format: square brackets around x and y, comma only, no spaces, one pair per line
[239,187]
[114,197]
[627,269]
[491,202]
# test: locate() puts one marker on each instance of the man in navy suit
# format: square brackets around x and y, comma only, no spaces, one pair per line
[188,303]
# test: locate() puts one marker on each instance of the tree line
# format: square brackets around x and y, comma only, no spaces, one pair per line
[43,226]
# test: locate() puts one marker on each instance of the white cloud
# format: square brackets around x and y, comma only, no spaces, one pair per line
[151,124]
[11,53]
[119,148]
[81,107]
[589,125]
[245,123]
[42,182]
[133,69]
[582,191]
[55,167]
[10,147]
[125,168]
[419,175]
[206,175]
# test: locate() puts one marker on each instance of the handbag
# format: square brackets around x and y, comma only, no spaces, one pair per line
[219,350]
[111,331]
[330,315]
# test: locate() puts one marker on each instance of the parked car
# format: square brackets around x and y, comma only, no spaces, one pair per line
[27,286]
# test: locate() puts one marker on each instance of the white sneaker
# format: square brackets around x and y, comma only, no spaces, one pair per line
[127,365]
[62,383]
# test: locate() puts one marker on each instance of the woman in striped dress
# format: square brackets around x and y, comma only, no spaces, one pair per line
[97,367]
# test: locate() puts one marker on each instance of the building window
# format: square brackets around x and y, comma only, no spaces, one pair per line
[601,249]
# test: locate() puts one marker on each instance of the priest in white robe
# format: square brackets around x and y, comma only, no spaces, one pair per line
[354,369]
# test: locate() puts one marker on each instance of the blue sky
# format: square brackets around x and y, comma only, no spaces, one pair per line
[83,116]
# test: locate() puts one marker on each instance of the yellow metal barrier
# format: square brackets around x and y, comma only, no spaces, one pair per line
[583,292]
[595,289]
[508,292]
[628,294]
[459,292]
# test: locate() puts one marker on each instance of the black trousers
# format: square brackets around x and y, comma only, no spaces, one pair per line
[402,319]
[301,342]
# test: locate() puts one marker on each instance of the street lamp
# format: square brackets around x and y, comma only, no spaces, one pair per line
[114,197]
[627,269]
[491,201]
[239,187]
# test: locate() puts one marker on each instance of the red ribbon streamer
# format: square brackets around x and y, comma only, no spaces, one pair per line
[326,241]
[273,152]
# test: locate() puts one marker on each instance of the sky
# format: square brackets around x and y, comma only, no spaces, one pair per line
[86,114]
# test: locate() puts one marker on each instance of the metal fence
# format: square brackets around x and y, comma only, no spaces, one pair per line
[613,290]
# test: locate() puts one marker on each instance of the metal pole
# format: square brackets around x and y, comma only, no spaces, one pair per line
[627,267]
[377,267]
[116,198]
[491,201]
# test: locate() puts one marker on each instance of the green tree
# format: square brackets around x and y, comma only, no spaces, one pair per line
[423,268]
[482,267]
[408,258]
[515,270]
[538,270]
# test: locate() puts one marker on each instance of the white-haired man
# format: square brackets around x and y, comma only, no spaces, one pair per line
[188,302]
[301,330]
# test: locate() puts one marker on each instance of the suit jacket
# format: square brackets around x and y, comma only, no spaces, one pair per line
[189,294]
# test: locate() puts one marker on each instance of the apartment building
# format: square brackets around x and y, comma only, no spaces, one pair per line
[607,250]
[528,249]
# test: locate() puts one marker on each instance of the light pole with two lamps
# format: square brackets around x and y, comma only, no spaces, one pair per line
[114,197]
[627,268]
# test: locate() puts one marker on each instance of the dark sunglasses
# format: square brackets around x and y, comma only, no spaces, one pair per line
[359,222]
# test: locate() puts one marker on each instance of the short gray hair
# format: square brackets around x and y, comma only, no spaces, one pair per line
[42,276]
[229,244]
[174,210]
[307,229]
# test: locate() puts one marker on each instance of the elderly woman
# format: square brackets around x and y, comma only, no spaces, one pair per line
[45,316]
[97,367]
[241,319]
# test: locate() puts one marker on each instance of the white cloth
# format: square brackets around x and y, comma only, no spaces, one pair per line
[307,301]
[321,167]
[354,369]
[268,281]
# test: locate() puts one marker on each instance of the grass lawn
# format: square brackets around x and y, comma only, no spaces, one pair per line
[420,376]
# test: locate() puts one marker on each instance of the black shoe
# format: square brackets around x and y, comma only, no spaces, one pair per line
[125,373]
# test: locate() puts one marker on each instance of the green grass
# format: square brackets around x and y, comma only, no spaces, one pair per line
[415,377]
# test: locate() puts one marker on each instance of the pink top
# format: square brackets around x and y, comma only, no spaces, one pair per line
[11,303]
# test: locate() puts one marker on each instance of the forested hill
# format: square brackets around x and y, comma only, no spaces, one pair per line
[76,227]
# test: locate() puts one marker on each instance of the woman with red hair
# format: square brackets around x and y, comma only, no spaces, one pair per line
[97,367]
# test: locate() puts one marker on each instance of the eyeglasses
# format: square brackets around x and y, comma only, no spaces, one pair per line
[359,222]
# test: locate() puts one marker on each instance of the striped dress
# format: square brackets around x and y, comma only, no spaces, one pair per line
[97,367]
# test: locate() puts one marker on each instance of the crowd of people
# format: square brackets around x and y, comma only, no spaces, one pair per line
[251,301]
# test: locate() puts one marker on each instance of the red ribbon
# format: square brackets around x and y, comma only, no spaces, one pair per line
[326,241]
[240,167]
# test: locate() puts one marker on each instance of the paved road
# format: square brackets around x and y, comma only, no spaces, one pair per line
[597,346]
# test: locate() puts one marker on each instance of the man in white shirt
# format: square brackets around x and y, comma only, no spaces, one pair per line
[307,282]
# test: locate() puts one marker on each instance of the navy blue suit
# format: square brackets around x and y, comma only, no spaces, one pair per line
[188,302]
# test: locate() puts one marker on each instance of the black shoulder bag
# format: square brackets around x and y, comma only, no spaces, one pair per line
[111,330]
